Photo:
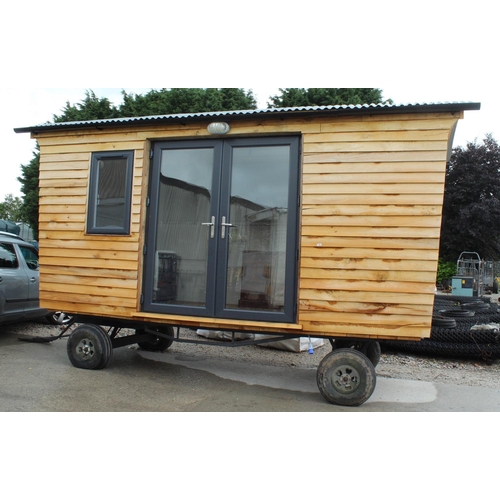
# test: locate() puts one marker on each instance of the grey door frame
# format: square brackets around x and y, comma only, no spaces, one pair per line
[218,248]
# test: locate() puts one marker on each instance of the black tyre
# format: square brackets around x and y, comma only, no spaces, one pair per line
[475,306]
[449,349]
[456,313]
[346,377]
[370,349]
[442,321]
[89,347]
[59,318]
[158,343]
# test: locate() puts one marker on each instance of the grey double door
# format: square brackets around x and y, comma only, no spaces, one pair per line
[222,228]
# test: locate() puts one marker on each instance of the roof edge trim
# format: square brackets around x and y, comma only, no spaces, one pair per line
[340,110]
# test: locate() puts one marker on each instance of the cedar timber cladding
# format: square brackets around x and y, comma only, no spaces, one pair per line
[371,197]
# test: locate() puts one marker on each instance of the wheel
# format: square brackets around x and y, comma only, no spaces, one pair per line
[59,318]
[159,343]
[346,377]
[89,347]
[370,349]
[373,352]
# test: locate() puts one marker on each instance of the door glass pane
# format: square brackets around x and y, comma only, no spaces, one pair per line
[180,274]
[257,240]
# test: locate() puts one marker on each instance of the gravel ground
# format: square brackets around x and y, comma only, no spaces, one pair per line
[392,365]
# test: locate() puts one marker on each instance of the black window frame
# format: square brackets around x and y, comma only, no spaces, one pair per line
[92,228]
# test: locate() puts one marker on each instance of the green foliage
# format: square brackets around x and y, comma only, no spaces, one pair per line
[185,100]
[446,270]
[325,97]
[29,187]
[10,208]
[471,209]
[91,108]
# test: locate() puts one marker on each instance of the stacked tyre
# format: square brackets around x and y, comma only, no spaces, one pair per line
[452,332]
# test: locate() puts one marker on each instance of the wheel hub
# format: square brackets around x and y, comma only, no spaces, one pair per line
[86,349]
[346,379]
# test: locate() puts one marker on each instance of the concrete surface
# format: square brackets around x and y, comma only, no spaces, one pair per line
[39,377]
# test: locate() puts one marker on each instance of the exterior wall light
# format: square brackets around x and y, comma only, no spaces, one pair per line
[218,128]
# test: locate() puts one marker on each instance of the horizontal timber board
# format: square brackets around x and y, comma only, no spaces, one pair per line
[374,147]
[80,253]
[375,167]
[324,252]
[93,147]
[369,319]
[371,210]
[374,243]
[58,166]
[62,200]
[104,281]
[98,300]
[366,135]
[371,232]
[62,217]
[74,227]
[333,306]
[367,286]
[390,122]
[121,274]
[367,264]
[76,189]
[373,199]
[89,291]
[75,156]
[374,156]
[92,244]
[59,303]
[375,178]
[61,183]
[64,174]
[378,275]
[79,235]
[105,264]
[73,209]
[360,296]
[366,331]
[392,220]
[369,189]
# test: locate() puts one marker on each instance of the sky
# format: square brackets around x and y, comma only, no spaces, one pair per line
[40,104]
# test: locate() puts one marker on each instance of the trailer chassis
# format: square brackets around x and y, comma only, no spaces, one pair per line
[346,376]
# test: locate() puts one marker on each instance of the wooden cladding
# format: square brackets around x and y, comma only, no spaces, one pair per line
[371,196]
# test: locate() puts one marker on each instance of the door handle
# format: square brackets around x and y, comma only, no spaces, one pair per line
[33,280]
[224,225]
[211,225]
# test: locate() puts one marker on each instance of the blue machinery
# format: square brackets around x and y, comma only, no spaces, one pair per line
[470,278]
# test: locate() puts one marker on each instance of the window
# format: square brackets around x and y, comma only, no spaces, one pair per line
[8,258]
[30,257]
[110,193]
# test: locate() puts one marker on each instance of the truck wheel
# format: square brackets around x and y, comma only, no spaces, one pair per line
[89,347]
[158,343]
[346,377]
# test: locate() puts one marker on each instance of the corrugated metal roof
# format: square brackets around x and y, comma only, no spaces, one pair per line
[251,113]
